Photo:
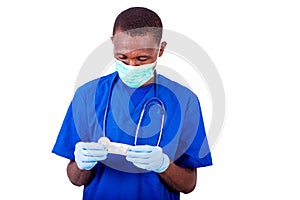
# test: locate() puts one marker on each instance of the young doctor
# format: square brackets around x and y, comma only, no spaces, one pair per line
[156,121]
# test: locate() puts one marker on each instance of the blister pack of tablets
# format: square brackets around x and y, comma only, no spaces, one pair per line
[114,147]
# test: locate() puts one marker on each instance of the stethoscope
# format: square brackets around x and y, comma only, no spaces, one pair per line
[154,100]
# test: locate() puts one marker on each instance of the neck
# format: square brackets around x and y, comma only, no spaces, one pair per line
[148,82]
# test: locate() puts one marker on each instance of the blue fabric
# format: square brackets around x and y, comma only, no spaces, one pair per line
[137,95]
[183,138]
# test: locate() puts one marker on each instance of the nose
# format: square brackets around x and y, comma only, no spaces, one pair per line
[133,62]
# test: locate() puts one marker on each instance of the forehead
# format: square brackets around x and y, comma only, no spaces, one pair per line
[124,43]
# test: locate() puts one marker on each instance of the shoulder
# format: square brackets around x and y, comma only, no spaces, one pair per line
[178,89]
[93,85]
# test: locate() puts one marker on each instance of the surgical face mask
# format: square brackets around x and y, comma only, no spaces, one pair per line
[135,76]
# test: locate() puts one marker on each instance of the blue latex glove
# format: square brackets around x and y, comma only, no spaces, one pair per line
[148,157]
[87,154]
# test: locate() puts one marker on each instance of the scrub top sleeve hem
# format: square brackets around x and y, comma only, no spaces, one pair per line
[64,155]
[187,161]
[196,165]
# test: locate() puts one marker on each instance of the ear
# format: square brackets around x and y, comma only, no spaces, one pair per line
[162,48]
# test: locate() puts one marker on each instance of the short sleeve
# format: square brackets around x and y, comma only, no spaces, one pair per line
[74,121]
[194,148]
[67,137]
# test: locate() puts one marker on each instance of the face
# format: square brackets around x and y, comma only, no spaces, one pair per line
[136,50]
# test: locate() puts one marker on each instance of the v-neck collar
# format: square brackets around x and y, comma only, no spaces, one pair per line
[124,95]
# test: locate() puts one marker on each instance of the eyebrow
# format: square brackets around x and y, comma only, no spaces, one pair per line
[141,55]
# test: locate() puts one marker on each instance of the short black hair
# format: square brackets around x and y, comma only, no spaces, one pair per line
[139,21]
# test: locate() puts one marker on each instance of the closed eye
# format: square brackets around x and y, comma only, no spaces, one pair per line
[142,58]
[121,57]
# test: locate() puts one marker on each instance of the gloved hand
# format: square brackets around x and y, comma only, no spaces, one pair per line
[148,157]
[87,154]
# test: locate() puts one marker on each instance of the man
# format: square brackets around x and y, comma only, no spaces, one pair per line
[161,162]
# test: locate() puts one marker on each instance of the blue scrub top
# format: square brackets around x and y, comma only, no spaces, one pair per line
[183,138]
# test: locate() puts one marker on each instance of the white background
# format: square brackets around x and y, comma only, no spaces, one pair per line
[255,46]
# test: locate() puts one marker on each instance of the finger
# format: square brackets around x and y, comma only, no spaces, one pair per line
[92,146]
[153,165]
[93,159]
[94,153]
[142,166]
[89,162]
[137,160]
[142,148]
[99,158]
[89,146]
[86,165]
[140,163]
[142,155]
[86,159]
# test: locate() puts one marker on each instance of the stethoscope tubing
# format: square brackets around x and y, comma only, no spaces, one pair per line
[146,104]
[163,111]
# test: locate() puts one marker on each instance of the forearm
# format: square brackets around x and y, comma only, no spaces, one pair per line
[77,176]
[180,179]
